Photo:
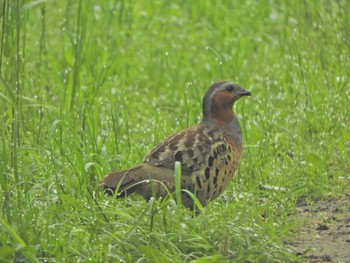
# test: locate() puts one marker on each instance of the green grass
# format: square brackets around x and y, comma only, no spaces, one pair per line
[90,87]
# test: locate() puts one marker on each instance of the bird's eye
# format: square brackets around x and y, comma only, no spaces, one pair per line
[230,88]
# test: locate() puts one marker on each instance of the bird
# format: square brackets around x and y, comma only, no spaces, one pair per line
[209,154]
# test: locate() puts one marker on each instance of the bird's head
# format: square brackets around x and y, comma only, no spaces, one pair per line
[219,99]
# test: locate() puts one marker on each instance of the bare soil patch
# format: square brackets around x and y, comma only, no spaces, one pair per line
[325,232]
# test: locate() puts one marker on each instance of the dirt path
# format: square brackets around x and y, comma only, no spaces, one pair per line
[325,234]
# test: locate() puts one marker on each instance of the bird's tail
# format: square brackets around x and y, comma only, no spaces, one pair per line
[143,179]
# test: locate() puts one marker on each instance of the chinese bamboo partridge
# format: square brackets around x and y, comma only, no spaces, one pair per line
[209,154]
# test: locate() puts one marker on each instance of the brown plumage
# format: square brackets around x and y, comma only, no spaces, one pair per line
[209,154]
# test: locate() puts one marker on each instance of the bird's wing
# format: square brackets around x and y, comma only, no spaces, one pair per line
[193,148]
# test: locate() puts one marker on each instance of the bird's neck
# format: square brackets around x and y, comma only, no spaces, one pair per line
[227,122]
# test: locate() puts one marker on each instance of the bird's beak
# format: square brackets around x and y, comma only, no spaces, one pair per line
[242,93]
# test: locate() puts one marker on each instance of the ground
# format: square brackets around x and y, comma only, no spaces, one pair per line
[325,232]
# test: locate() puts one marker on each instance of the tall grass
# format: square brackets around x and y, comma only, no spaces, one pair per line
[89,87]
